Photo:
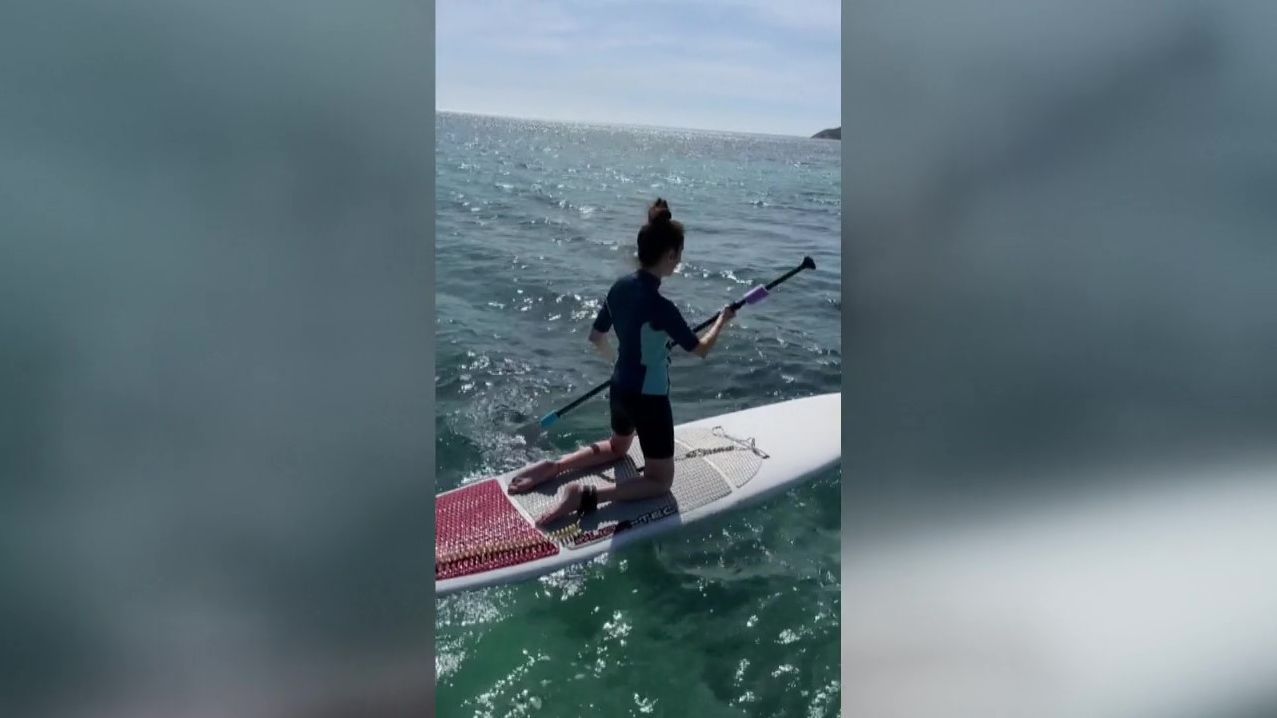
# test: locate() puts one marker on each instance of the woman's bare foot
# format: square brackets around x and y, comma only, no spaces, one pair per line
[532,476]
[571,502]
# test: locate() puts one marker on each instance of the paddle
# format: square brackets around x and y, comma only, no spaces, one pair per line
[531,431]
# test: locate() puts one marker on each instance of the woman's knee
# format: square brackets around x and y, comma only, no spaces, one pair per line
[660,471]
[621,443]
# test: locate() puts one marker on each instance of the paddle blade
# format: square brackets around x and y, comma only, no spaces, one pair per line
[808,263]
[533,431]
[530,432]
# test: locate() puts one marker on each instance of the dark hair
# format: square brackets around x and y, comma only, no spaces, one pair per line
[660,235]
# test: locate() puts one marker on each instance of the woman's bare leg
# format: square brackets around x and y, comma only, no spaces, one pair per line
[601,452]
[656,479]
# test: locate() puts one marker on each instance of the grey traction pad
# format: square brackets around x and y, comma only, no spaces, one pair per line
[702,458]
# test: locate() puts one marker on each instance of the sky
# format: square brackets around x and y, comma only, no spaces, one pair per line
[736,65]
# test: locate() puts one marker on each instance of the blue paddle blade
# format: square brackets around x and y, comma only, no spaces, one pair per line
[548,420]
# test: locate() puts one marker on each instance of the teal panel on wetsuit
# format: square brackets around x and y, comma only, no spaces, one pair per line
[656,360]
[644,322]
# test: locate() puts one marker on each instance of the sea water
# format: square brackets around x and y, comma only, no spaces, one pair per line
[733,617]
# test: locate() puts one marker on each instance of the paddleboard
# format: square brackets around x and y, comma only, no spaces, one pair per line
[485,536]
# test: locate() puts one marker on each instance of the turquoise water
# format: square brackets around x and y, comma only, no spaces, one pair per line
[734,617]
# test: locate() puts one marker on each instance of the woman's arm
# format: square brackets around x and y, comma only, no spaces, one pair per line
[683,336]
[601,345]
[599,330]
[710,337]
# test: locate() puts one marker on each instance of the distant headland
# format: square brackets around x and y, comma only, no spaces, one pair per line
[834,134]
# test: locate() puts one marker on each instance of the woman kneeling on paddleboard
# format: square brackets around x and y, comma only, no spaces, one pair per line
[640,385]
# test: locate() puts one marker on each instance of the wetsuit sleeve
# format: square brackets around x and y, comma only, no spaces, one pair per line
[603,322]
[677,328]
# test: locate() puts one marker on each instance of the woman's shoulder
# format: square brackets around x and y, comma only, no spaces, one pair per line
[666,305]
[630,279]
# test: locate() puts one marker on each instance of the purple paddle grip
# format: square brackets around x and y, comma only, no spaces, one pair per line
[756,295]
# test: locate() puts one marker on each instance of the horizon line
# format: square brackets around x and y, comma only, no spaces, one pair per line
[439,110]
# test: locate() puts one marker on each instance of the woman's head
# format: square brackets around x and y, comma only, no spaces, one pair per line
[660,241]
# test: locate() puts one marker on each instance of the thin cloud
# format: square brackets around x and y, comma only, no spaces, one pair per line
[732,64]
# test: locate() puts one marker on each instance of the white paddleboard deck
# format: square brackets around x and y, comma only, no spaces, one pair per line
[485,536]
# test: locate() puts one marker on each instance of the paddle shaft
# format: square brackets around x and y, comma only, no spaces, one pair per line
[554,416]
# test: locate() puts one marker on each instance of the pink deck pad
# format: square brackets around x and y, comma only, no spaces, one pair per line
[478,529]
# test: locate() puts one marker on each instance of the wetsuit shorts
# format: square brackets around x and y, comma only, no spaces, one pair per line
[649,415]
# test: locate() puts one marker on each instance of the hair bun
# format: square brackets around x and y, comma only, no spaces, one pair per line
[661,235]
[659,212]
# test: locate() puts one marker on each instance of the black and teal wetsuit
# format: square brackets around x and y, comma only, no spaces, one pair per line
[644,321]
